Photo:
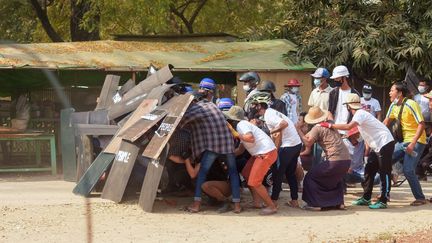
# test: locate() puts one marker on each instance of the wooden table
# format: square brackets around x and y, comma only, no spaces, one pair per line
[33,137]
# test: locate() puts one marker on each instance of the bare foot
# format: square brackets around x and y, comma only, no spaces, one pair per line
[293,204]
[237,208]
[194,207]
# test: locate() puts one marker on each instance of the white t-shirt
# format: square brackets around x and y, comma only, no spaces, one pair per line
[263,143]
[372,106]
[342,113]
[290,137]
[374,132]
[423,102]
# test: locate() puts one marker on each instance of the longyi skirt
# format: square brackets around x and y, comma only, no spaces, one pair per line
[323,184]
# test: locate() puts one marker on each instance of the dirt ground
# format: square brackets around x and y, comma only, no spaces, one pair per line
[43,209]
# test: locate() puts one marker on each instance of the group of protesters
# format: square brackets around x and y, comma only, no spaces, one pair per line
[221,149]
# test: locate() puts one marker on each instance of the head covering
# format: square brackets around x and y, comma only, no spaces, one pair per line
[316,115]
[353,101]
[321,73]
[225,103]
[428,95]
[207,84]
[340,71]
[235,113]
[367,88]
[353,131]
[293,83]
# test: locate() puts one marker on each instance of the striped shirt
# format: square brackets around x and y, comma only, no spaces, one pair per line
[411,117]
[208,128]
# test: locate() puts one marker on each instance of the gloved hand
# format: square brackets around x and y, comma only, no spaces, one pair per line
[325,124]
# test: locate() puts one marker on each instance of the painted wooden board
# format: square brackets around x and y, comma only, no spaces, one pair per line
[68,145]
[85,154]
[144,124]
[109,89]
[120,172]
[151,181]
[168,126]
[131,100]
[93,173]
[145,107]
[95,129]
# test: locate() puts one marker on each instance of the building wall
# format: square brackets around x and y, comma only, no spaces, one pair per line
[280,79]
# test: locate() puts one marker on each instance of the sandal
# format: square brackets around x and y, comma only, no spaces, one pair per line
[310,208]
[399,183]
[292,204]
[268,211]
[419,202]
[190,209]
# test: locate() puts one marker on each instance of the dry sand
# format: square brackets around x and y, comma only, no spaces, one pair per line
[43,209]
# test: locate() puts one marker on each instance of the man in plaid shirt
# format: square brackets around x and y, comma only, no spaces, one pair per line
[211,138]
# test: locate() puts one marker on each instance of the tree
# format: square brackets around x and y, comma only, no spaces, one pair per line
[84,21]
[378,40]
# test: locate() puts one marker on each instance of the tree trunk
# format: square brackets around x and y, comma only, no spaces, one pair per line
[43,17]
[78,9]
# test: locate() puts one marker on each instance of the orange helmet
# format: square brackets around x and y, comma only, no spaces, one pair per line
[293,83]
[353,131]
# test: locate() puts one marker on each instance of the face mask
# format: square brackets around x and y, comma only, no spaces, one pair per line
[295,89]
[317,82]
[396,100]
[338,84]
[367,96]
[246,87]
[422,89]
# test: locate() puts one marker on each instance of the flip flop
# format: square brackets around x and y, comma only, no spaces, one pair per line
[268,211]
[190,210]
[419,202]
[398,183]
[290,204]
[310,208]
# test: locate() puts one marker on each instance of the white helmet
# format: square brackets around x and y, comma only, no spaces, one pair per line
[340,71]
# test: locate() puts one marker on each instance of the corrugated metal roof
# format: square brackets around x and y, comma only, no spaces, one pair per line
[129,55]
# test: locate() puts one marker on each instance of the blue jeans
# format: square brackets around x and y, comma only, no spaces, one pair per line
[207,160]
[409,166]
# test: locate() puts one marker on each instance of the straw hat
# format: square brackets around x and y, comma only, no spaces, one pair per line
[353,101]
[428,95]
[235,113]
[316,115]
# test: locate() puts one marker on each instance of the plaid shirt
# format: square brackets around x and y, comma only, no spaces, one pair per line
[208,129]
[292,114]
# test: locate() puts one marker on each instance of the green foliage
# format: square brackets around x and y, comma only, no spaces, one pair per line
[16,21]
[378,40]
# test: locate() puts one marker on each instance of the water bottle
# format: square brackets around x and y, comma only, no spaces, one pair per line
[413,153]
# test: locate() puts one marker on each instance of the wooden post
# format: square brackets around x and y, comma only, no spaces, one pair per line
[68,145]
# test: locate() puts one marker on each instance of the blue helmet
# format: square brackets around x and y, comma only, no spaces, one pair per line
[225,103]
[207,84]
[188,89]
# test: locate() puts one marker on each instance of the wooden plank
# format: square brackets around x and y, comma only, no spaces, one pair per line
[109,89]
[120,172]
[126,87]
[99,117]
[145,107]
[168,126]
[151,181]
[95,129]
[85,155]
[67,145]
[131,100]
[92,175]
[140,127]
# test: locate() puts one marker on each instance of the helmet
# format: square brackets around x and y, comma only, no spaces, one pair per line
[267,86]
[261,97]
[367,89]
[340,71]
[207,84]
[293,83]
[225,103]
[321,73]
[251,77]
